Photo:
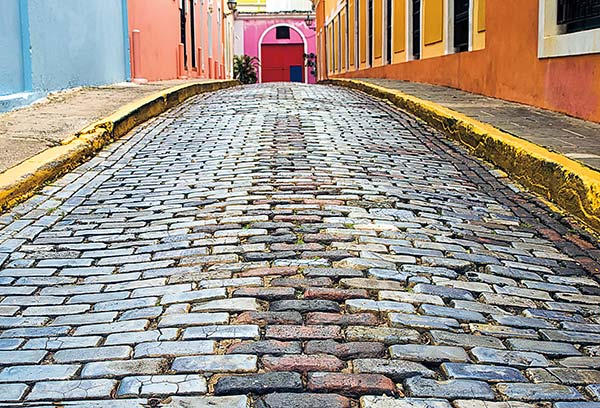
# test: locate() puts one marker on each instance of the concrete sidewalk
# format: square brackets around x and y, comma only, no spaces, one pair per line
[28,131]
[574,138]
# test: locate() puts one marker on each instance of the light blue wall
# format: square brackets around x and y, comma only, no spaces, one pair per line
[49,45]
[76,43]
[11,59]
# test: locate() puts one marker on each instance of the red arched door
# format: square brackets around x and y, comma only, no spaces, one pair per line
[282,62]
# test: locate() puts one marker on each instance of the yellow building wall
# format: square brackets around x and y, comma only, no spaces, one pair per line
[252,6]
[351,28]
[330,7]
[330,61]
[344,34]
[433,23]
[336,40]
[377,33]
[363,35]
[479,28]
[399,31]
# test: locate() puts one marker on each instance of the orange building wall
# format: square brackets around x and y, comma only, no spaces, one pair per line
[509,68]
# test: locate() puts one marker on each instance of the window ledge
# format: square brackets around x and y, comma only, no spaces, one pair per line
[553,43]
[564,45]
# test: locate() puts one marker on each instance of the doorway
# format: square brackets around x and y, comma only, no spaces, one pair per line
[282,62]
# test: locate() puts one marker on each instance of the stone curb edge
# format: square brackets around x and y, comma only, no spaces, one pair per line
[23,180]
[572,186]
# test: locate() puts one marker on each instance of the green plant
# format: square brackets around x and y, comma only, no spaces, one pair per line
[245,69]
[311,63]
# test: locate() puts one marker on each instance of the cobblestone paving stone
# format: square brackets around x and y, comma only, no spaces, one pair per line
[294,246]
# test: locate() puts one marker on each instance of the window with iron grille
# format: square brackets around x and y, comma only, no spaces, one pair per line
[371,30]
[282,33]
[388,33]
[461,25]
[579,15]
[416,29]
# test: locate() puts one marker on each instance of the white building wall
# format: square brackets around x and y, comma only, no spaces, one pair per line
[274,6]
[238,37]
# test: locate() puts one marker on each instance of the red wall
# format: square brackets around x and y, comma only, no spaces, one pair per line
[509,68]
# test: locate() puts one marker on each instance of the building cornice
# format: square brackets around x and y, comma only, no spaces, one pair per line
[300,15]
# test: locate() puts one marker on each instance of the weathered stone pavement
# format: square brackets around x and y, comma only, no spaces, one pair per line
[293,246]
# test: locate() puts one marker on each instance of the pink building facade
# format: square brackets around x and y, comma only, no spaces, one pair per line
[177,39]
[279,41]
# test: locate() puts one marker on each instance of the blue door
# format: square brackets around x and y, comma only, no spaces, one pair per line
[296,73]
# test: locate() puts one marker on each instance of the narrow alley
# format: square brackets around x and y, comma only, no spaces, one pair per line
[290,245]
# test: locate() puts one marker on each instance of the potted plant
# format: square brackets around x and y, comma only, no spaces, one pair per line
[245,69]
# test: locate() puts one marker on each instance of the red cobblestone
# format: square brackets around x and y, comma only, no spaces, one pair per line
[355,319]
[271,347]
[352,385]
[277,270]
[323,202]
[265,318]
[298,218]
[285,400]
[313,246]
[326,238]
[335,294]
[273,293]
[286,332]
[581,243]
[303,363]
[301,282]
[551,234]
[346,351]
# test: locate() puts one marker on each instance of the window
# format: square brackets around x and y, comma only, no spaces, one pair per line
[282,33]
[578,15]
[370,37]
[182,21]
[193,33]
[461,25]
[357,34]
[568,27]
[416,29]
[347,38]
[388,32]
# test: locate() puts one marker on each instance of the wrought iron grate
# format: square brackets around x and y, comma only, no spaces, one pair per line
[578,11]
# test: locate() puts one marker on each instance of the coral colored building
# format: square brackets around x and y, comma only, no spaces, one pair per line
[544,53]
[177,39]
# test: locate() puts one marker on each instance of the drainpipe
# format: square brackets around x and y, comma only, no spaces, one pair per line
[137,57]
[126,51]
[25,45]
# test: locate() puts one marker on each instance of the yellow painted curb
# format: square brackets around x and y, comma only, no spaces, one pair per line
[574,187]
[20,182]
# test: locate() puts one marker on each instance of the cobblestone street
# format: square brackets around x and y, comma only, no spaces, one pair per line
[293,246]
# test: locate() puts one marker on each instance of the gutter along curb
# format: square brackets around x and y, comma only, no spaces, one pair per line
[574,187]
[23,180]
